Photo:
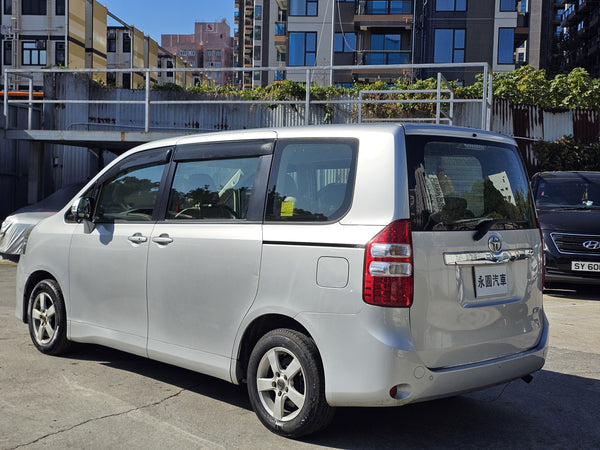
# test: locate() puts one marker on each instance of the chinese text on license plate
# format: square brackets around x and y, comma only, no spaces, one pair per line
[490,280]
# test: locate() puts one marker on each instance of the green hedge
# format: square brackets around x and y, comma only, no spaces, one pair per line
[567,154]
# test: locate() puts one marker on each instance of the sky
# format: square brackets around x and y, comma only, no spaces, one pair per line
[156,17]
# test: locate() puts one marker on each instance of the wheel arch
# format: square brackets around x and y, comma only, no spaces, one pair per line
[32,281]
[257,329]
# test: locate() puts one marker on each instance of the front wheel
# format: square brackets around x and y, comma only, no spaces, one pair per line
[47,318]
[286,384]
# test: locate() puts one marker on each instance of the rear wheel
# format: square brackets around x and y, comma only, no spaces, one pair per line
[47,318]
[286,384]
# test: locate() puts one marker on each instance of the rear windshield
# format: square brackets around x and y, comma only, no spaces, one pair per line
[457,184]
[568,191]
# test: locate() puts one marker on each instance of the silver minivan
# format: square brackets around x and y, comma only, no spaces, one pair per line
[325,266]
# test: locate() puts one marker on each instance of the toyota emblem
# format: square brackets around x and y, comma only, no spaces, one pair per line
[495,243]
[592,245]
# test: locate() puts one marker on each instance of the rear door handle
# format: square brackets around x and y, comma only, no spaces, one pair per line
[163,239]
[137,238]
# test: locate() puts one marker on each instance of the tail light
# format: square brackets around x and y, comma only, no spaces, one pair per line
[388,272]
[543,255]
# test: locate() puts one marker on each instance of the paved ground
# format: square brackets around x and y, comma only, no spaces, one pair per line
[97,398]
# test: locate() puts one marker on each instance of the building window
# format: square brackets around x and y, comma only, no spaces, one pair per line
[257,53]
[34,53]
[344,42]
[302,49]
[304,7]
[508,5]
[451,5]
[111,43]
[8,53]
[506,45]
[59,9]
[389,6]
[126,43]
[59,54]
[33,8]
[8,7]
[449,46]
[279,76]
[258,12]
[385,49]
[182,52]
[127,80]
[257,33]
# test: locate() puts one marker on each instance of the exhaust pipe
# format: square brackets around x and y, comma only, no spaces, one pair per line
[527,378]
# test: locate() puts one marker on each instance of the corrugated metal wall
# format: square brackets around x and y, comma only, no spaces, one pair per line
[528,124]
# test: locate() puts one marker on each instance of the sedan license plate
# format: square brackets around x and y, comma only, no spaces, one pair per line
[490,280]
[582,266]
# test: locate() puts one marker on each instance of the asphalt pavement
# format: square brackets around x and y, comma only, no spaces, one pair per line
[98,398]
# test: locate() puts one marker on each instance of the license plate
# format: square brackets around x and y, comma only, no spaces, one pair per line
[582,266]
[490,280]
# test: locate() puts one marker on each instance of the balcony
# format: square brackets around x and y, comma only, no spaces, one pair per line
[384,13]
[283,4]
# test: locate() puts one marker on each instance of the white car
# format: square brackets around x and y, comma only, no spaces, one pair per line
[15,226]
[324,266]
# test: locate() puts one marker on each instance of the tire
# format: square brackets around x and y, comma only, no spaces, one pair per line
[286,384]
[47,318]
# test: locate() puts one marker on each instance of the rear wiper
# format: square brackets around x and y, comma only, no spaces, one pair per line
[486,225]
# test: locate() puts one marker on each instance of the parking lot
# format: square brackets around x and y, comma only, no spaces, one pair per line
[101,398]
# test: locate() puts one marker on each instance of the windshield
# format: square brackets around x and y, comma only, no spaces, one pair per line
[467,184]
[571,191]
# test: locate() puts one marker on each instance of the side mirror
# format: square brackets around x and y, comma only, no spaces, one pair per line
[83,209]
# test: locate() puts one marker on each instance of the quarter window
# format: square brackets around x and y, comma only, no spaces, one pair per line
[218,189]
[312,180]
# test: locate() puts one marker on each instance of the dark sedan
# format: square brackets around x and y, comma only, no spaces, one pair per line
[568,205]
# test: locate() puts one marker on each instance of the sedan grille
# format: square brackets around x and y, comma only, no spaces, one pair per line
[581,244]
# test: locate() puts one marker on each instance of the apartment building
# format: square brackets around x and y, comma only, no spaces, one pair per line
[579,36]
[74,34]
[288,33]
[210,46]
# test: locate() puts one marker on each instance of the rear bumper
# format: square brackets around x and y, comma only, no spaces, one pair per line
[373,365]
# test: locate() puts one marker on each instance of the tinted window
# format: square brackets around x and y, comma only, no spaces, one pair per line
[130,195]
[571,191]
[458,185]
[212,189]
[311,180]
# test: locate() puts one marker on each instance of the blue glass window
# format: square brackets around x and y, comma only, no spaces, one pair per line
[344,42]
[304,7]
[508,5]
[449,46]
[451,5]
[385,49]
[302,49]
[389,7]
[506,45]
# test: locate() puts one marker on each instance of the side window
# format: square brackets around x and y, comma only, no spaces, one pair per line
[312,180]
[212,189]
[130,195]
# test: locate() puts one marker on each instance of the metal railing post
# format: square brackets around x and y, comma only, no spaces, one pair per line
[5,99]
[147,105]
[30,105]
[438,106]
[307,102]
[484,101]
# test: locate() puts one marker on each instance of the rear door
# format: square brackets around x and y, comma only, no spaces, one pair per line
[477,251]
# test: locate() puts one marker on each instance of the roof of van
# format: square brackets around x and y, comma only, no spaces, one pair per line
[274,133]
